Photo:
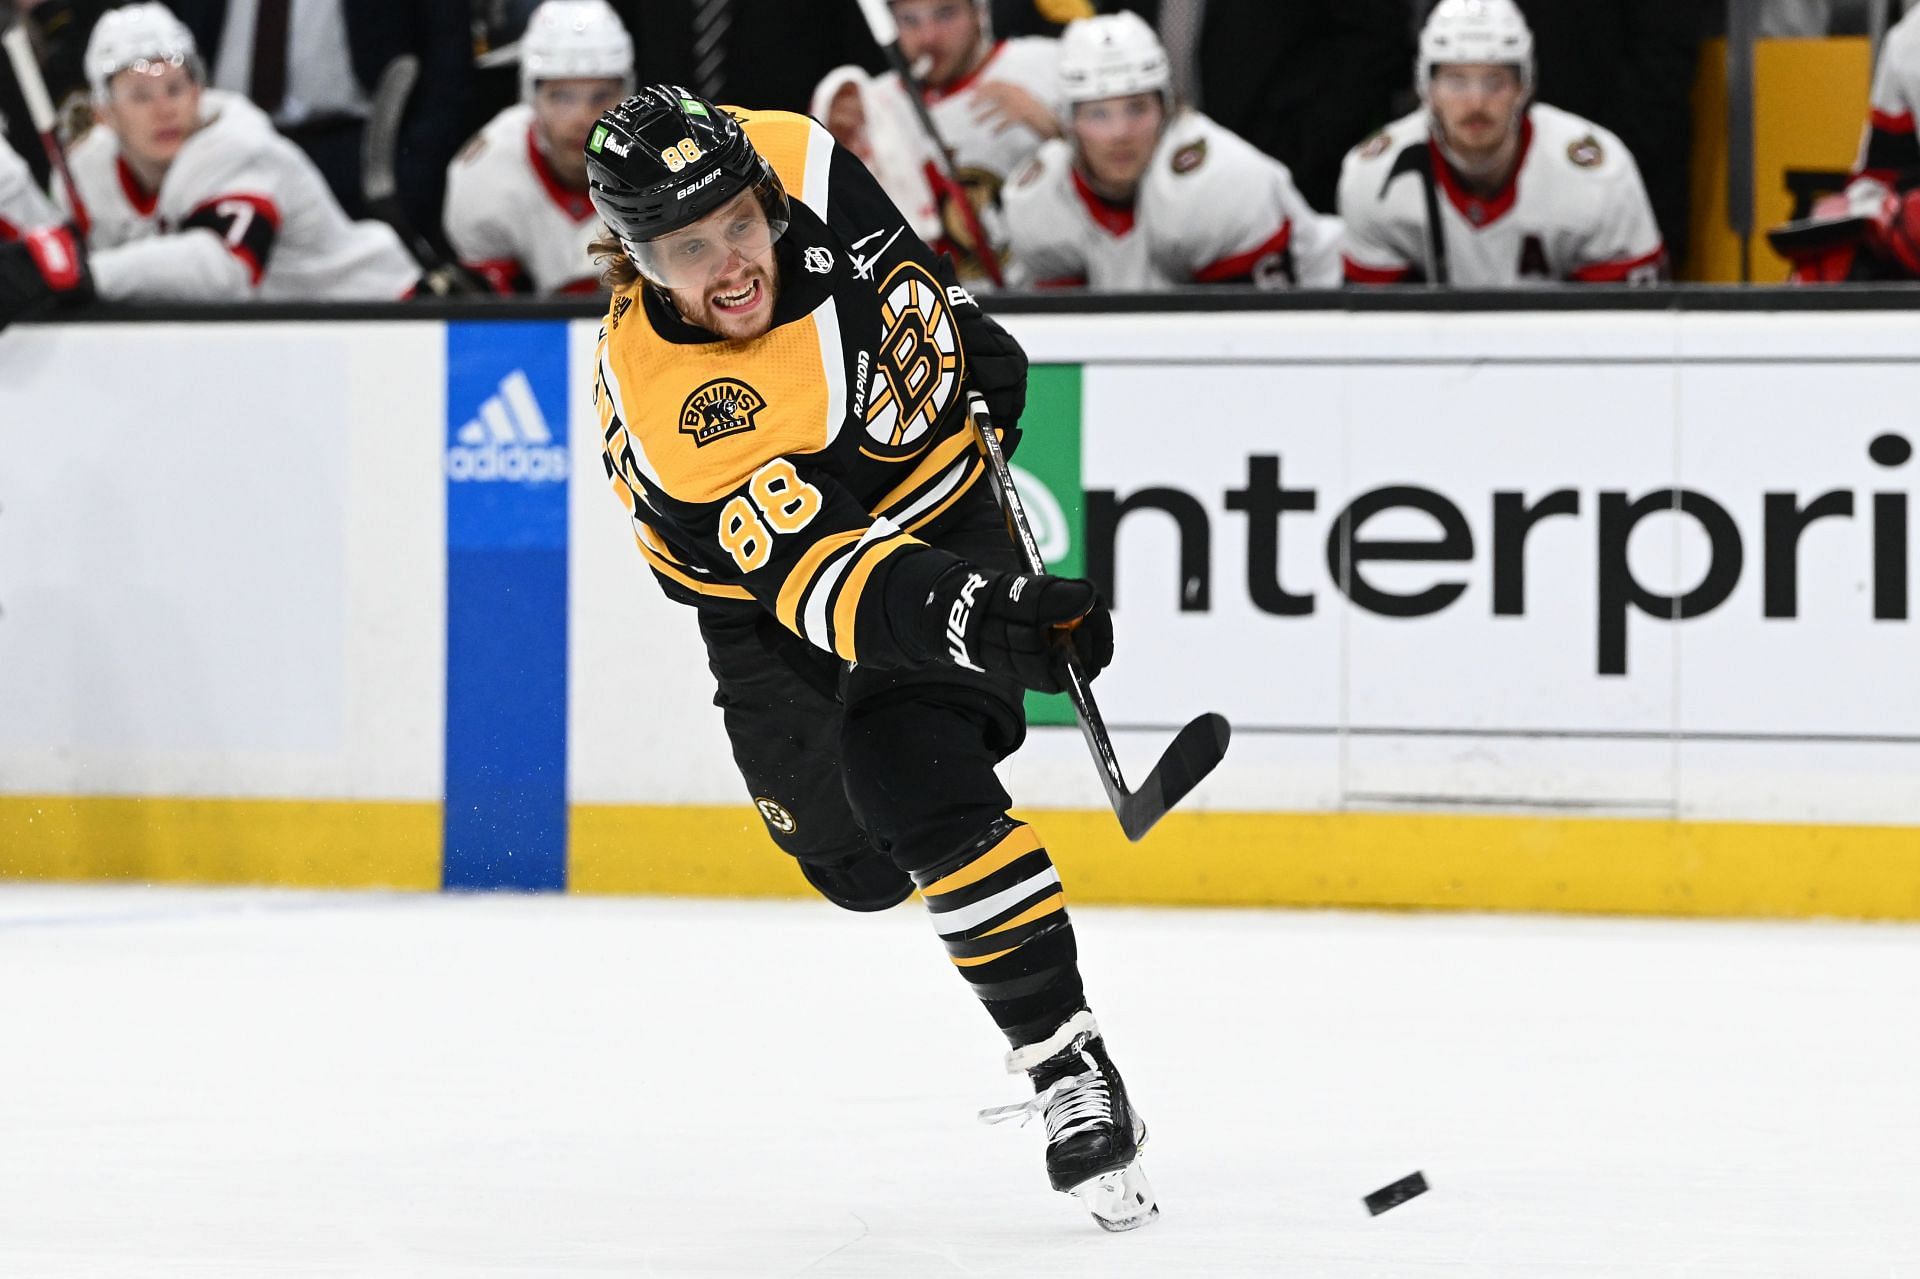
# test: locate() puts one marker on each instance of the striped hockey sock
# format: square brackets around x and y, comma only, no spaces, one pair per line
[1001,911]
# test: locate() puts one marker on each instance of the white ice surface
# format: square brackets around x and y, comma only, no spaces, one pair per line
[266,1084]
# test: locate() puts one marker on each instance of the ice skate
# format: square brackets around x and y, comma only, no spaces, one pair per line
[1094,1135]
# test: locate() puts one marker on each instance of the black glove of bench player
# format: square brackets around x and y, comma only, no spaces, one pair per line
[49,265]
[1009,624]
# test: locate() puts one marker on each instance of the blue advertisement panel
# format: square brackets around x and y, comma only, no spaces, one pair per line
[506,468]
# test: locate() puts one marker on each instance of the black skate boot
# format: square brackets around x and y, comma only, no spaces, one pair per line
[1094,1135]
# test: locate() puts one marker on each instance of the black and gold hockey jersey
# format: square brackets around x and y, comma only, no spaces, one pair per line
[803,470]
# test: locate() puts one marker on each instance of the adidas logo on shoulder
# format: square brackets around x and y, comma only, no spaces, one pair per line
[508,441]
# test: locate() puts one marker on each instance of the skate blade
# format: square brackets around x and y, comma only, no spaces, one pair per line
[1119,1200]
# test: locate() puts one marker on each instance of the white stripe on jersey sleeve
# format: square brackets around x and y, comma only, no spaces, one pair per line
[833,363]
[819,168]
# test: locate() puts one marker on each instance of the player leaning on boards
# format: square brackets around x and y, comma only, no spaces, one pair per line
[1145,193]
[192,194]
[782,385]
[24,206]
[517,209]
[991,101]
[1872,230]
[1483,187]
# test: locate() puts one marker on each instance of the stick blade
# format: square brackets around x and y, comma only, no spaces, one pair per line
[380,147]
[1193,753]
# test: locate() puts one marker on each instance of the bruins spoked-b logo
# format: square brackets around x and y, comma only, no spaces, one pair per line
[776,815]
[725,406]
[918,362]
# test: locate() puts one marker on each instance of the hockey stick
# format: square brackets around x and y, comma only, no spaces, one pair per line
[1419,159]
[380,187]
[1195,749]
[33,88]
[886,34]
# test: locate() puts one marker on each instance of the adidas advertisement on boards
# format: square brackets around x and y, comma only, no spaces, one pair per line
[506,716]
[1466,552]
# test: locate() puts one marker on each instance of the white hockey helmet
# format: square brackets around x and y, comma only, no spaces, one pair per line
[1111,56]
[1474,31]
[139,35]
[575,40]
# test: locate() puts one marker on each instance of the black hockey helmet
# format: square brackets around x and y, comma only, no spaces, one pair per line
[665,158]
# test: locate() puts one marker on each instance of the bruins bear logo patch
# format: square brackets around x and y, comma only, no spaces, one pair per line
[725,406]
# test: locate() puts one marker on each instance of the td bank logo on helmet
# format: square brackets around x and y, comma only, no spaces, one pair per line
[508,440]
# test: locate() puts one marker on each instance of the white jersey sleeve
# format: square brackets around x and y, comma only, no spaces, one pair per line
[479,214]
[893,146]
[23,205]
[1219,210]
[991,151]
[1378,244]
[1048,228]
[1889,146]
[1617,241]
[513,219]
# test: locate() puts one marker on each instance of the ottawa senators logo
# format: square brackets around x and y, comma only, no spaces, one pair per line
[725,406]
[918,363]
[1586,152]
[1190,157]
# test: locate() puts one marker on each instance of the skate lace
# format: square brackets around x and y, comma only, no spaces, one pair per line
[1073,1104]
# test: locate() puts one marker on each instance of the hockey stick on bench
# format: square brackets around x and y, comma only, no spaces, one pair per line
[33,89]
[1195,749]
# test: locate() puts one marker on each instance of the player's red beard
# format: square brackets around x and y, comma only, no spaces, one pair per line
[738,304]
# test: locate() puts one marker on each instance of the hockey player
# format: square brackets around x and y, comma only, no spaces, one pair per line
[23,205]
[517,207]
[40,260]
[782,384]
[192,195]
[1149,194]
[1485,188]
[873,120]
[1872,231]
[991,100]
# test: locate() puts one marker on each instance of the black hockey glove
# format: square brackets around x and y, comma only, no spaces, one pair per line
[49,266]
[1013,624]
[996,366]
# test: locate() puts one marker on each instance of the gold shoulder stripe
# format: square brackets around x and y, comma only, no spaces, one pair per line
[781,138]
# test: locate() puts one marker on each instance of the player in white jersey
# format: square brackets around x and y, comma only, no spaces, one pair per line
[1872,231]
[517,208]
[193,195]
[1483,188]
[992,101]
[23,205]
[874,120]
[1148,194]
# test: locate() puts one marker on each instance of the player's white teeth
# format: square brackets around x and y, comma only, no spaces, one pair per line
[738,298]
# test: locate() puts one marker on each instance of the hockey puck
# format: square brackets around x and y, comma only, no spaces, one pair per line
[1396,1194]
